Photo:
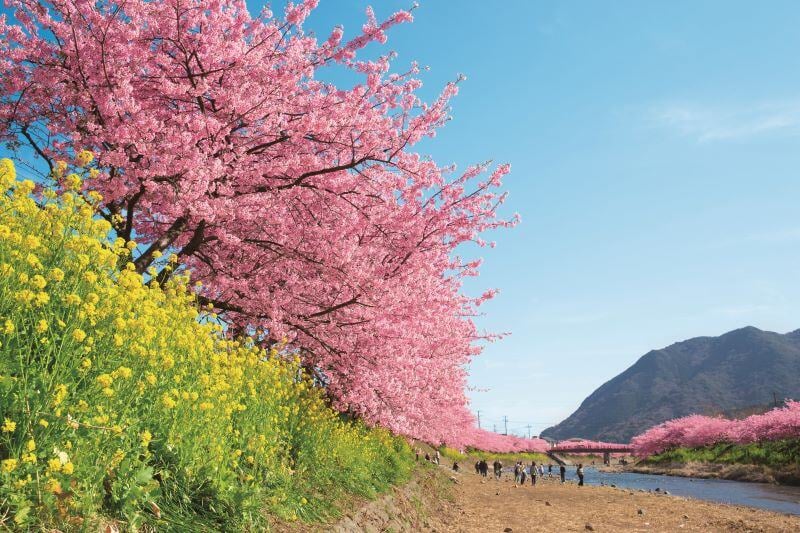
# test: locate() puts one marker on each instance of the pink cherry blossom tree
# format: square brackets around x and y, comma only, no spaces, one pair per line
[696,431]
[302,206]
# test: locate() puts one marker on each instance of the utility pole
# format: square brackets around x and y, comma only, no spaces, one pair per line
[494,428]
[479,419]
[505,423]
[529,431]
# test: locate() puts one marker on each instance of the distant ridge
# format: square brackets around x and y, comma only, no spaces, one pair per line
[734,374]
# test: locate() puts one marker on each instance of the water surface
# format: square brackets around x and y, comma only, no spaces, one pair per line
[779,498]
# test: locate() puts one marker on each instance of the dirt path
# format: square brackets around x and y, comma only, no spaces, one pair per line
[486,505]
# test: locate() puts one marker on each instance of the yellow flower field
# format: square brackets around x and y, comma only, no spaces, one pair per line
[123,401]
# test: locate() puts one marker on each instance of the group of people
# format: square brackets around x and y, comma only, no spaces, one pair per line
[433,459]
[522,472]
[482,467]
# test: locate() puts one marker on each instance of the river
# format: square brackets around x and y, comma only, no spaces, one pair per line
[779,498]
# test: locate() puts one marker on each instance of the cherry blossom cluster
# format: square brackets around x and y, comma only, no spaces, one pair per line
[301,205]
[480,439]
[696,430]
[582,444]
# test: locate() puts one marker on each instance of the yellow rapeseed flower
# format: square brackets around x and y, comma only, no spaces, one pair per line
[53,486]
[83,158]
[60,168]
[59,394]
[9,426]
[73,182]
[123,372]
[8,465]
[168,402]
[8,174]
[38,282]
[146,437]
[54,465]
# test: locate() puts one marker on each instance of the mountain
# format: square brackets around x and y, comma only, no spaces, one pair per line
[735,373]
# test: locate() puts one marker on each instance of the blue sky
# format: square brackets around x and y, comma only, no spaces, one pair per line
[654,148]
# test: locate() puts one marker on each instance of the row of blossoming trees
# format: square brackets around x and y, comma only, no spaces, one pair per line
[696,430]
[302,206]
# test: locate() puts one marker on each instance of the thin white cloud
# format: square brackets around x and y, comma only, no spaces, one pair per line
[722,123]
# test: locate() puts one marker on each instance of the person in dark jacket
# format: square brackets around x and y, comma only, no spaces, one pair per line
[563,470]
[533,473]
[498,469]
[484,467]
[579,471]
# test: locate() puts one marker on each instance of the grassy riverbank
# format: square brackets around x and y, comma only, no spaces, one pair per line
[767,462]
[470,456]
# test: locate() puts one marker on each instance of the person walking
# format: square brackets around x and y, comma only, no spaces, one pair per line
[550,470]
[477,467]
[533,474]
[516,473]
[579,471]
[498,469]
[563,470]
[522,477]
[438,457]
[484,467]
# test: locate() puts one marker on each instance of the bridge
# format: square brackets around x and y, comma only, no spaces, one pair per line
[578,447]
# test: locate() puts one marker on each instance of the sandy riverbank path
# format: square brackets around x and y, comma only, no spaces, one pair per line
[486,505]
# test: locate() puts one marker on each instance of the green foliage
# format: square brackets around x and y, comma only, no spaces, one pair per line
[506,458]
[773,454]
